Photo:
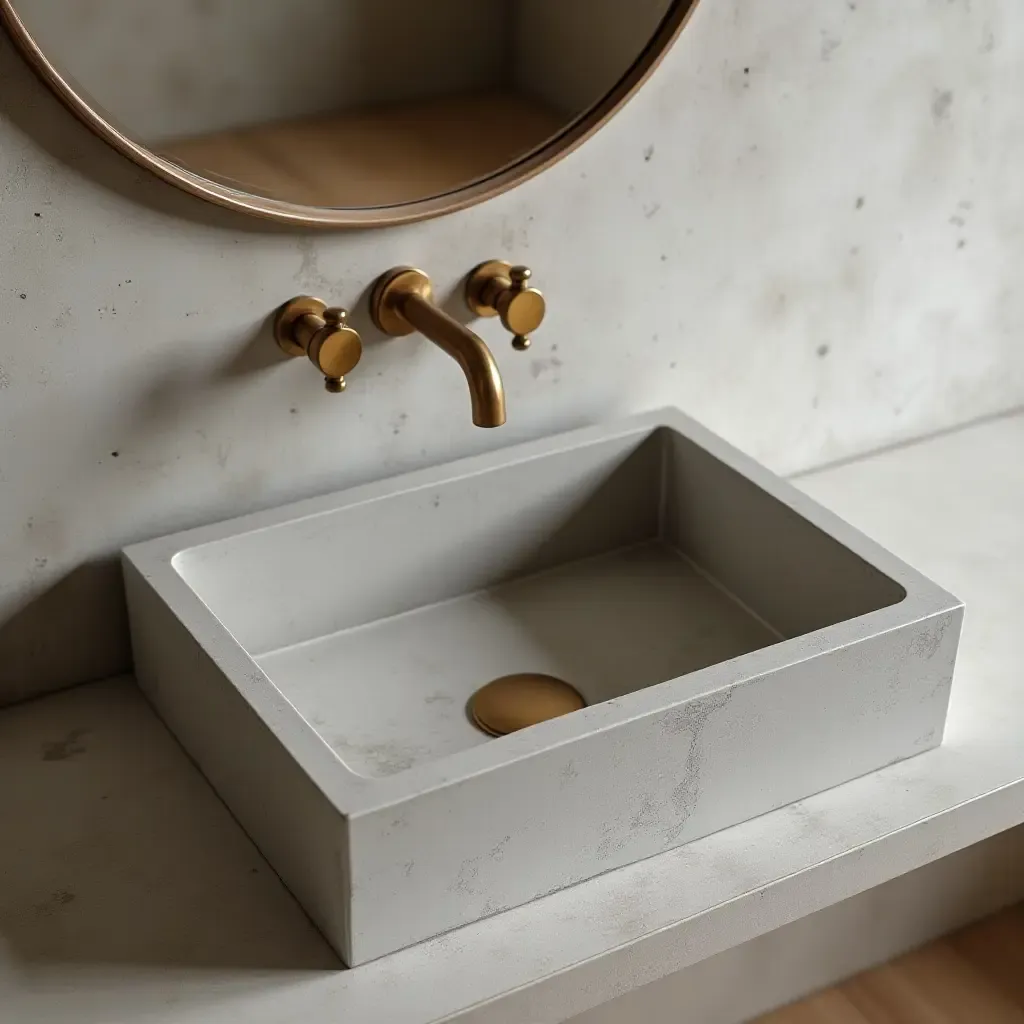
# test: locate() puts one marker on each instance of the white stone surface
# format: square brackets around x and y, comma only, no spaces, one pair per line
[136,898]
[796,179]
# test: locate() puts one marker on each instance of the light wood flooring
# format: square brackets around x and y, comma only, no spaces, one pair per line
[975,976]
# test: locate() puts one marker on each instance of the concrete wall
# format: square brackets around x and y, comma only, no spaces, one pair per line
[806,231]
[168,69]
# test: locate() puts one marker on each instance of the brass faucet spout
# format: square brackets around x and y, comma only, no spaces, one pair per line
[402,303]
[486,390]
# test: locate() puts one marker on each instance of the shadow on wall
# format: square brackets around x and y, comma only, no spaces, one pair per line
[27,103]
[75,631]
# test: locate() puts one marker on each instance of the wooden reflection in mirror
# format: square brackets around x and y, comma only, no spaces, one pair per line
[377,157]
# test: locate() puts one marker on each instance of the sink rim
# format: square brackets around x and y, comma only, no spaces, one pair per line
[353,795]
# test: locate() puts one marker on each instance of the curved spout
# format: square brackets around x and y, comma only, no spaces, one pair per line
[486,390]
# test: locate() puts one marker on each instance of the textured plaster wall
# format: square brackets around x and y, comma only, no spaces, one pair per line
[807,231]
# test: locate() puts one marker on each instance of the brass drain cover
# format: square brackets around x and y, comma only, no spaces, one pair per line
[514,702]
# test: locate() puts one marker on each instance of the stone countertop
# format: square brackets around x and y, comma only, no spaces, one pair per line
[129,894]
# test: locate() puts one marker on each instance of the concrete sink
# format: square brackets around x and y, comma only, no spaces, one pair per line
[738,646]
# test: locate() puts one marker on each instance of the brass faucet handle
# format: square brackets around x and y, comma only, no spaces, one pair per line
[522,308]
[496,288]
[335,349]
[306,327]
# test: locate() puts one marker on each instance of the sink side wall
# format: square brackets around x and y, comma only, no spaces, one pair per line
[792,574]
[288,818]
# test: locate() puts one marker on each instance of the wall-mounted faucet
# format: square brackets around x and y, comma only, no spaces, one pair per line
[402,303]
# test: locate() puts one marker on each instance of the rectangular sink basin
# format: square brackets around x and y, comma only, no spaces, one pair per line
[738,647]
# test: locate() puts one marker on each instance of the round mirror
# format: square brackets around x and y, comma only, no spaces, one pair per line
[344,112]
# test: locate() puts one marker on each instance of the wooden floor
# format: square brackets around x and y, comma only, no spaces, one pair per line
[972,977]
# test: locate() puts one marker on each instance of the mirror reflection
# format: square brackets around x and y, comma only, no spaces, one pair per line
[347,104]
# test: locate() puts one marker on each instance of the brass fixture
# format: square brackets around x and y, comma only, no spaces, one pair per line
[496,288]
[306,327]
[403,302]
[514,702]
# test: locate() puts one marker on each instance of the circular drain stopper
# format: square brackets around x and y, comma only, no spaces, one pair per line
[515,702]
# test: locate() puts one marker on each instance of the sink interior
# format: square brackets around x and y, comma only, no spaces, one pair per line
[615,566]
[391,694]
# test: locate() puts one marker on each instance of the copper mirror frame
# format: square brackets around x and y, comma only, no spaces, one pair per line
[533,163]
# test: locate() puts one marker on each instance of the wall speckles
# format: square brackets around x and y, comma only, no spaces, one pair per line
[775,172]
[942,104]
